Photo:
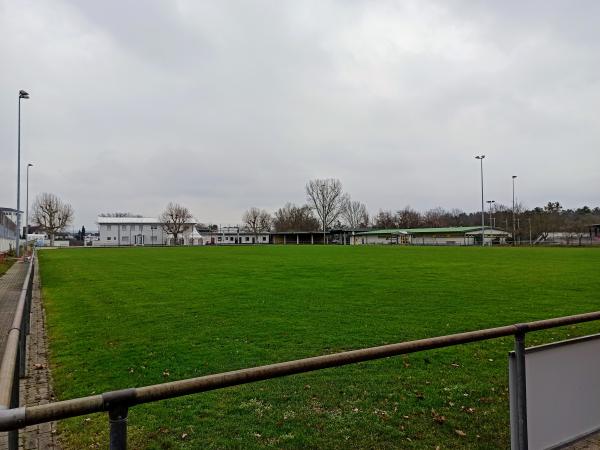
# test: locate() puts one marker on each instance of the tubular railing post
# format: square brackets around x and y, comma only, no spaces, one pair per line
[521,390]
[13,435]
[22,369]
[118,428]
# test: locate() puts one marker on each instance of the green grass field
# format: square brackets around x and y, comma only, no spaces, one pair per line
[128,317]
[5,265]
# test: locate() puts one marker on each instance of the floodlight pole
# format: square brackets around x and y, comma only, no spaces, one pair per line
[480,158]
[323,211]
[27,205]
[513,207]
[491,203]
[22,94]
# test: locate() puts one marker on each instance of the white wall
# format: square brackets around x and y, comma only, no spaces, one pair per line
[6,244]
[117,234]
[372,239]
[243,238]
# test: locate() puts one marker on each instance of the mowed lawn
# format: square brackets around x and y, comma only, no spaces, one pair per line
[136,316]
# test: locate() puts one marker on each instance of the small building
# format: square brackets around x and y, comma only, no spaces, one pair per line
[8,228]
[391,236]
[240,235]
[132,231]
[431,236]
[298,237]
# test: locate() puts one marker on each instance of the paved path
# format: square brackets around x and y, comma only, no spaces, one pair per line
[11,284]
[35,388]
[590,443]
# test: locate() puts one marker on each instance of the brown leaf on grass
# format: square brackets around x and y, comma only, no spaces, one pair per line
[437,417]
[460,432]
[184,435]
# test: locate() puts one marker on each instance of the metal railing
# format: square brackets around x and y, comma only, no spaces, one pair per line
[14,360]
[117,403]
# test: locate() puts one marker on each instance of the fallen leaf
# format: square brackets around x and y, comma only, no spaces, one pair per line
[437,417]
[184,435]
[460,432]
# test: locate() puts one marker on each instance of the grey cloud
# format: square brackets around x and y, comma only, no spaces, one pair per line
[226,105]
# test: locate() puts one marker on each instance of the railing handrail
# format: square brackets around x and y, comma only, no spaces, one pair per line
[11,348]
[16,418]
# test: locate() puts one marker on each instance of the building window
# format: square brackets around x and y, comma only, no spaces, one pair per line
[108,238]
[125,238]
[153,227]
[108,227]
[219,239]
[154,238]
[247,239]
[264,238]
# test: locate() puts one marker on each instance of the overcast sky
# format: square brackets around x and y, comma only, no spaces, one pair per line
[225,105]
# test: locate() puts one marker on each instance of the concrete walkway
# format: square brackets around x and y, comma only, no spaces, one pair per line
[35,388]
[590,443]
[11,284]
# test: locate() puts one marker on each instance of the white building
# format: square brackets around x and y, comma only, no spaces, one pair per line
[238,235]
[8,229]
[125,231]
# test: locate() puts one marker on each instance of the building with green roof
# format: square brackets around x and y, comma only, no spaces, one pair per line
[431,236]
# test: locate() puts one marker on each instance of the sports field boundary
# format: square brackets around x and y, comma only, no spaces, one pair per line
[117,403]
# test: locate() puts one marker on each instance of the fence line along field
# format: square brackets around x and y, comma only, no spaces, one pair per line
[129,317]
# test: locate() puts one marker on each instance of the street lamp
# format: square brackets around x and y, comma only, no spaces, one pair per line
[513,209]
[480,158]
[491,203]
[27,205]
[323,211]
[22,94]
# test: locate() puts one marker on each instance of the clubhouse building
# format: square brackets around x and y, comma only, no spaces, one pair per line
[126,231]
[432,236]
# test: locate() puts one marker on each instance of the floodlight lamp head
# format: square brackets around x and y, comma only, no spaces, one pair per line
[23,94]
[479,156]
[29,165]
[514,176]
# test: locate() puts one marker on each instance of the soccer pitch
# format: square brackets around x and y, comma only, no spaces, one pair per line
[128,317]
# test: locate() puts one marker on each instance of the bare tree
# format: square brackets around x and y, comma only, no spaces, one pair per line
[51,214]
[327,199]
[434,218]
[355,214]
[385,219]
[295,218]
[175,219]
[408,218]
[257,220]
[119,214]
